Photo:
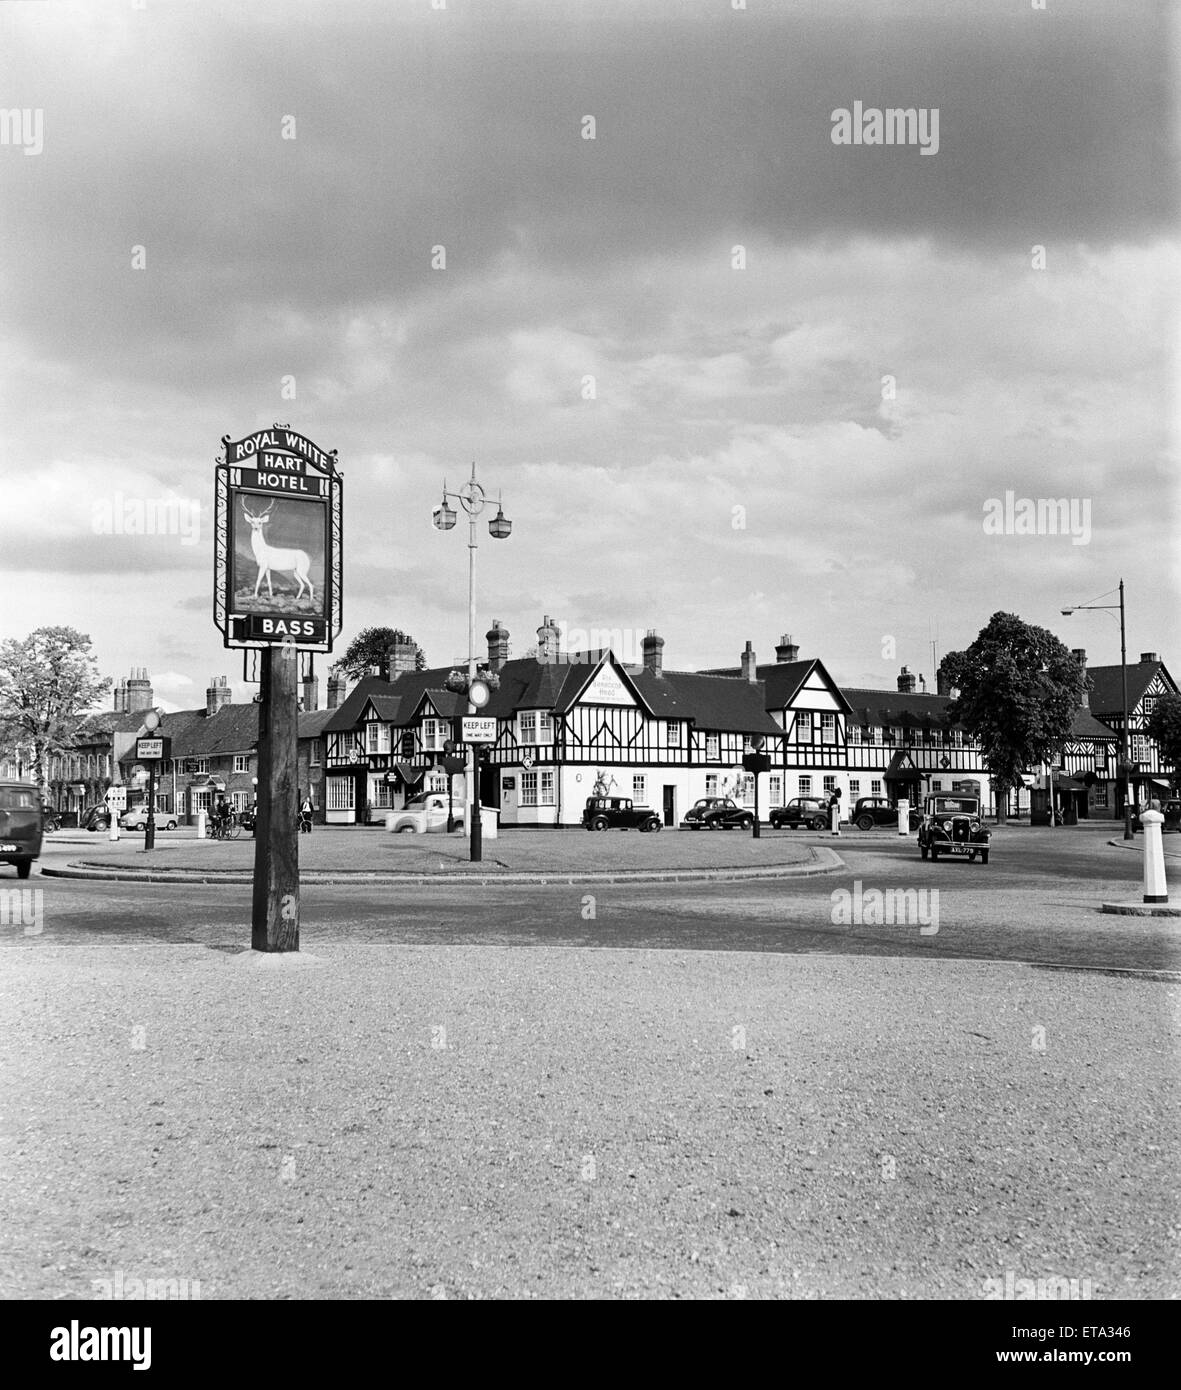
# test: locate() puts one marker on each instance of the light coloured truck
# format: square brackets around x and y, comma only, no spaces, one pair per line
[425,815]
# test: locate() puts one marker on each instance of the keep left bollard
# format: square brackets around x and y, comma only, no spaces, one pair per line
[1156,890]
[904,817]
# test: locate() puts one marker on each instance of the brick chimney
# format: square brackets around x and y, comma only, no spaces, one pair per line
[310,690]
[497,636]
[121,696]
[548,636]
[401,657]
[653,647]
[787,649]
[906,682]
[1149,656]
[217,694]
[337,688]
[749,664]
[1080,654]
[138,691]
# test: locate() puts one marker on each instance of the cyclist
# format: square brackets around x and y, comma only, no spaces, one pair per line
[221,816]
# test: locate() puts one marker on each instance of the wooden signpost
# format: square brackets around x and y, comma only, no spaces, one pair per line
[277,571]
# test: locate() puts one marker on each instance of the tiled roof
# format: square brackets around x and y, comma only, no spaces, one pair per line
[1087,726]
[906,709]
[1107,695]
[711,702]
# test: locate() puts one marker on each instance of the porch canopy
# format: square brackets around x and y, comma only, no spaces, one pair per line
[411,776]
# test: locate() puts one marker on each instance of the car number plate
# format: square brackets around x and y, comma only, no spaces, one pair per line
[7,849]
[957,849]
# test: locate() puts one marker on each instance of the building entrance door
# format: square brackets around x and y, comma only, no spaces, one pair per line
[670,805]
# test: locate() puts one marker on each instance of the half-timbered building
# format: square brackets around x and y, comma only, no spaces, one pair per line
[1148,680]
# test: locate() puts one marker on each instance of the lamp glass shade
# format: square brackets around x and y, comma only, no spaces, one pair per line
[444,516]
[500,526]
[479,693]
[151,720]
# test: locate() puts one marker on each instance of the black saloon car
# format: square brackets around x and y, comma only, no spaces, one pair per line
[876,810]
[801,810]
[717,813]
[953,825]
[618,813]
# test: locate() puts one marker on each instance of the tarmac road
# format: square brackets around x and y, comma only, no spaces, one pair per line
[1036,902]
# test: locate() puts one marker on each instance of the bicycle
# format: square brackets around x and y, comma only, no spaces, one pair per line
[227,827]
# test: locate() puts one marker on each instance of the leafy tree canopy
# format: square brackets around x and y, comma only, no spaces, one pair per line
[371,647]
[1164,726]
[1019,689]
[47,681]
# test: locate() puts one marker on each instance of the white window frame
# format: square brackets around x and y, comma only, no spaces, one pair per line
[805,784]
[528,795]
[377,737]
[855,733]
[241,762]
[545,789]
[434,734]
[711,784]
[528,734]
[828,727]
[200,765]
[713,748]
[380,793]
[673,733]
[639,788]
[828,784]
[804,726]
[340,794]
[316,755]
[201,798]
[854,788]
[775,789]
[875,787]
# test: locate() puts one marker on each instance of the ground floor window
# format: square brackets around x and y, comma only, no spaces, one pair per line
[201,801]
[341,794]
[639,788]
[875,788]
[854,787]
[537,788]
[240,800]
[379,793]
[776,790]
[830,785]
[805,786]
[711,784]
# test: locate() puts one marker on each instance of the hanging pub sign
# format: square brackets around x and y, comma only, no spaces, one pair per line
[277,542]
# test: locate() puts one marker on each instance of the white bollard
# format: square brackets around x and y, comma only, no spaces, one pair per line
[904,817]
[1156,890]
[200,825]
[834,817]
[113,828]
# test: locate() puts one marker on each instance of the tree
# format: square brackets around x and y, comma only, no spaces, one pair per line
[47,681]
[1163,726]
[1019,690]
[371,647]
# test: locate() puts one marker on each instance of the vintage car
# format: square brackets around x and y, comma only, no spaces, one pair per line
[1170,809]
[425,815]
[618,813]
[95,818]
[876,810]
[717,813]
[20,826]
[137,819]
[952,824]
[801,810]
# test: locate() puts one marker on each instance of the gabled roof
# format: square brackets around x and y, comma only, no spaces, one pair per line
[232,729]
[1107,695]
[712,702]
[782,680]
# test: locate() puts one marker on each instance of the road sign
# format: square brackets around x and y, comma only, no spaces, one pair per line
[116,798]
[477,729]
[150,750]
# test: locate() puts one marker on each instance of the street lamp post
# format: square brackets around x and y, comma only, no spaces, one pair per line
[473,499]
[1125,763]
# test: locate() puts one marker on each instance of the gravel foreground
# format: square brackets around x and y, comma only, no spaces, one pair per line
[460,1122]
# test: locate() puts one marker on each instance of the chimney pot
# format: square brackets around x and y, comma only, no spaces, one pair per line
[787,649]
[653,646]
[1149,656]
[749,664]
[906,682]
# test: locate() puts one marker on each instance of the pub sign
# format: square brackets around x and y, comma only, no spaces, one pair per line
[277,542]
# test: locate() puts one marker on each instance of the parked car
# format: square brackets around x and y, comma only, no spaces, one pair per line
[1170,809]
[425,815]
[877,810]
[137,819]
[717,813]
[952,824]
[95,818]
[20,826]
[801,810]
[618,813]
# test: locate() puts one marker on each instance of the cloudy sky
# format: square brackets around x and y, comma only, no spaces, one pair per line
[733,379]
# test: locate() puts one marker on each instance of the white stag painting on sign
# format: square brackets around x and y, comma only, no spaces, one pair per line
[291,573]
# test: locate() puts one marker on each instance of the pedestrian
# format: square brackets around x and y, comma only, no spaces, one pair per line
[305,815]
